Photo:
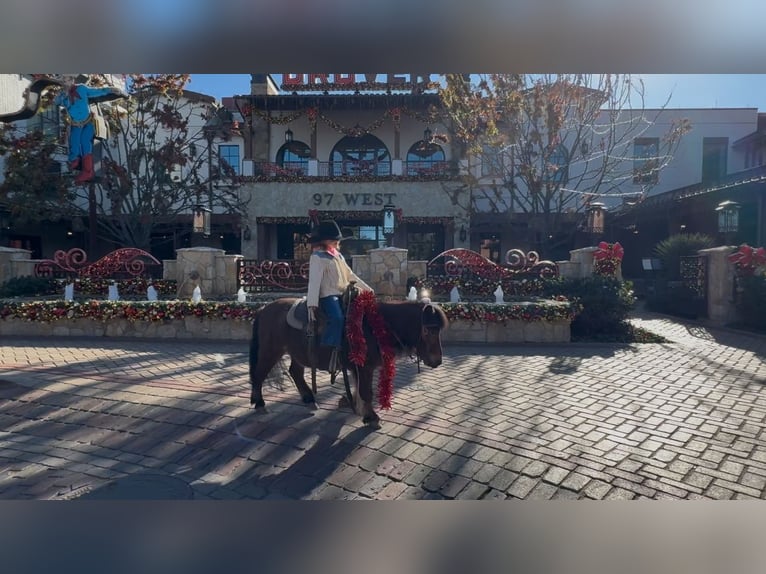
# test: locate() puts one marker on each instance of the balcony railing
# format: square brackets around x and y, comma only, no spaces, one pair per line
[274,170]
[369,170]
[354,168]
[429,168]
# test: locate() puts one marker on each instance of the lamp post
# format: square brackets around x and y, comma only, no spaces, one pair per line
[595,222]
[389,223]
[728,219]
[214,127]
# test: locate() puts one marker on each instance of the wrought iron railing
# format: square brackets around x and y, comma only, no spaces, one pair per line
[474,274]
[119,264]
[259,276]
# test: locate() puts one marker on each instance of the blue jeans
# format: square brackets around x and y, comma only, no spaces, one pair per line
[81,141]
[333,333]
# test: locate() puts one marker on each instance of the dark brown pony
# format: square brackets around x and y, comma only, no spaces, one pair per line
[414,328]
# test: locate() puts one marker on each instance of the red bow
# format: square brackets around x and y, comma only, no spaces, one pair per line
[608,251]
[747,259]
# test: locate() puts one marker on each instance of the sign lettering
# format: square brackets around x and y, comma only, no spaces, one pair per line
[346,200]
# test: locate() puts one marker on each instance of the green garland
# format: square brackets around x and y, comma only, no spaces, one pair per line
[136,286]
[501,313]
[50,311]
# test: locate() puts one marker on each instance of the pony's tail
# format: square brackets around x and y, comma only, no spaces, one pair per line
[254,346]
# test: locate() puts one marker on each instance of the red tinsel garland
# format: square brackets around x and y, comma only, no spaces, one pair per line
[363,306]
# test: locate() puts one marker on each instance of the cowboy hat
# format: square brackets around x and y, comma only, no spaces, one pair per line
[326,230]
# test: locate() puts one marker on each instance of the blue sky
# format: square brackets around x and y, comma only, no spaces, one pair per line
[686,90]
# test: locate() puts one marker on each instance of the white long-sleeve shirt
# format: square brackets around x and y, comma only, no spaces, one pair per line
[329,275]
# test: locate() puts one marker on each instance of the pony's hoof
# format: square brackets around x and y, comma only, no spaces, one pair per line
[258,404]
[308,399]
[372,421]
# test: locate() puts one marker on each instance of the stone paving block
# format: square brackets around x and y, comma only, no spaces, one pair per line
[392,491]
[555,475]
[503,479]
[473,491]
[575,481]
[373,486]
[417,475]
[542,491]
[521,486]
[596,489]
[535,469]
[564,494]
[719,493]
[493,494]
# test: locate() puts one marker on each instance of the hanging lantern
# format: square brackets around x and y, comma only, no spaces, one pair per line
[595,223]
[201,221]
[728,216]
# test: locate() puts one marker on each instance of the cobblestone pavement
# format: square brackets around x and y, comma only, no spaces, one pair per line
[100,418]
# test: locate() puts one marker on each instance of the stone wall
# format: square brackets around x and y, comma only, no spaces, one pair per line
[510,332]
[219,329]
[188,328]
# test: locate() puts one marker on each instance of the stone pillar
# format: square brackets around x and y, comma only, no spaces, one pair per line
[197,266]
[580,264]
[569,269]
[388,271]
[584,258]
[9,262]
[225,279]
[720,285]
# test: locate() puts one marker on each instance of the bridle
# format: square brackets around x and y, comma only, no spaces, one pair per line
[423,332]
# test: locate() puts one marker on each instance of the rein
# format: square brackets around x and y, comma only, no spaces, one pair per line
[405,347]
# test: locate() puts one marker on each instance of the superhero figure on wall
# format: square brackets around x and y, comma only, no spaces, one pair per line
[76,98]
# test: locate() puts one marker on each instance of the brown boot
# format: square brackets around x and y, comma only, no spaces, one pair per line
[74,164]
[333,367]
[87,169]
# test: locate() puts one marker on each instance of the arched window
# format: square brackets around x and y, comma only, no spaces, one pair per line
[425,158]
[294,156]
[364,155]
[557,168]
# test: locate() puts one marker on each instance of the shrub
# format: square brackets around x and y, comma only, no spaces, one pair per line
[670,251]
[675,298]
[606,303]
[29,286]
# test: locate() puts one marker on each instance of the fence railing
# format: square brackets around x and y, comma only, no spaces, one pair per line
[119,264]
[474,274]
[364,169]
[260,276]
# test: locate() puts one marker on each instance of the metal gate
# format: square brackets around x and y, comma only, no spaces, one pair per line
[694,278]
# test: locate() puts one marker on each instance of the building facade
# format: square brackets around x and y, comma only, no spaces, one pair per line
[329,150]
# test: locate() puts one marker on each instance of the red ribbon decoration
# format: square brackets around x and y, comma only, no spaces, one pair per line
[365,306]
[747,259]
[606,251]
